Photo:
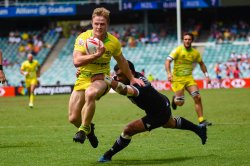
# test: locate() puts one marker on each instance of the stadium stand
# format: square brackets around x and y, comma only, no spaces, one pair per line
[13,59]
[221,53]
[62,70]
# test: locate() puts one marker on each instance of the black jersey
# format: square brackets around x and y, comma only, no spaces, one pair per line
[149,99]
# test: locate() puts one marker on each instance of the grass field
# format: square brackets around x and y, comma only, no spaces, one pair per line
[43,135]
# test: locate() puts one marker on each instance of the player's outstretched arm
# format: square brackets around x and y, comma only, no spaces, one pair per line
[204,70]
[126,90]
[168,69]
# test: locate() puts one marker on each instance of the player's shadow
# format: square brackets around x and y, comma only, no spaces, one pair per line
[150,162]
[158,161]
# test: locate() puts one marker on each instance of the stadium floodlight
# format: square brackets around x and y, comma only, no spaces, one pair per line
[178,15]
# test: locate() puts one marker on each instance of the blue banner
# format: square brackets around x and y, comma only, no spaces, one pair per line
[166,4]
[147,4]
[199,3]
[44,10]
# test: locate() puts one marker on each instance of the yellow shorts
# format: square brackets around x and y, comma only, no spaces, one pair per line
[82,83]
[180,83]
[30,81]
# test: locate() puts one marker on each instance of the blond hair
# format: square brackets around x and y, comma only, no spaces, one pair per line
[101,12]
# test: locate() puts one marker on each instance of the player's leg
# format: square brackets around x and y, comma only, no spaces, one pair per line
[76,103]
[28,87]
[86,128]
[194,92]
[32,96]
[92,93]
[124,139]
[178,98]
[184,124]
[33,83]
[147,123]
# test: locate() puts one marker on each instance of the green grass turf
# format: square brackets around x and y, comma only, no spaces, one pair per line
[43,135]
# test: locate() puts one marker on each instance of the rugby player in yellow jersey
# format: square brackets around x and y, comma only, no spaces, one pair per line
[31,70]
[88,88]
[2,75]
[184,56]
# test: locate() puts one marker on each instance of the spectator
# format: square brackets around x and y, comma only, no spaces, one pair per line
[227,35]
[17,38]
[25,36]
[6,62]
[233,57]
[59,30]
[11,39]
[228,71]
[236,72]
[143,72]
[154,38]
[132,42]
[238,58]
[217,70]
[21,50]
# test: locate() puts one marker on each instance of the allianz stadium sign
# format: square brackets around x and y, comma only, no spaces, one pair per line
[34,11]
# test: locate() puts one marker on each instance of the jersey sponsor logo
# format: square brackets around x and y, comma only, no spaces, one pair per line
[108,52]
[81,42]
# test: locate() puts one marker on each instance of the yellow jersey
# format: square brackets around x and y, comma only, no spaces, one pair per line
[183,60]
[102,64]
[31,68]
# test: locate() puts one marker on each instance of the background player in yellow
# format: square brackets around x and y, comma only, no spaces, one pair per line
[2,75]
[31,70]
[184,57]
[88,88]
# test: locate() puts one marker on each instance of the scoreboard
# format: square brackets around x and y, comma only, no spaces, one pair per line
[166,4]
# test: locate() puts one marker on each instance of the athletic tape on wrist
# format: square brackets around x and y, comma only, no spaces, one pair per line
[107,80]
[120,87]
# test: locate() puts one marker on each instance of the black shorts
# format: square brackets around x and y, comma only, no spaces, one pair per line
[152,121]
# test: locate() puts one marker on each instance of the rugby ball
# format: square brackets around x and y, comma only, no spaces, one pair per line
[91,45]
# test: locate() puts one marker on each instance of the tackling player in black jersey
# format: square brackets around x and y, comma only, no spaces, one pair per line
[155,105]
